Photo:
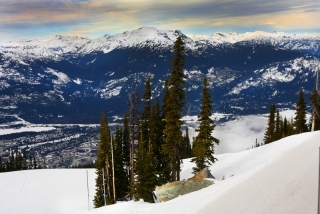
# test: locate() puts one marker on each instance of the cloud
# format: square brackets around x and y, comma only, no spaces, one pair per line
[91,17]
[270,23]
[236,136]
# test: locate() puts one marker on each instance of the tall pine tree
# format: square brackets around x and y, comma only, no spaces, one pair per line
[156,127]
[186,146]
[300,118]
[126,144]
[269,134]
[103,161]
[315,117]
[174,109]
[277,131]
[120,171]
[203,146]
[134,124]
[146,174]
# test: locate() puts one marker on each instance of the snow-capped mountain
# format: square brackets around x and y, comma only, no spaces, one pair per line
[72,79]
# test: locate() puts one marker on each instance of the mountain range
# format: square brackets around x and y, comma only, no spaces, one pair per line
[71,79]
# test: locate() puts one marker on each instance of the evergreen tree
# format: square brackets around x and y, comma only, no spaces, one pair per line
[173,110]
[285,128]
[121,176]
[291,130]
[145,116]
[156,127]
[166,166]
[30,162]
[24,159]
[146,178]
[281,127]
[269,134]
[165,101]
[7,166]
[103,161]
[277,133]
[315,100]
[146,175]
[186,146]
[126,143]
[300,118]
[203,146]
[134,123]
[35,166]
[12,162]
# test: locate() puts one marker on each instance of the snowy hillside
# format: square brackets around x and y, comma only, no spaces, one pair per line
[280,177]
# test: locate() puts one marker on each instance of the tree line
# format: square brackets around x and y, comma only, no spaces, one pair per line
[147,150]
[279,127]
[18,160]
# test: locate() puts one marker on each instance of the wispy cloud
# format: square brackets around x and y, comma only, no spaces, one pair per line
[96,17]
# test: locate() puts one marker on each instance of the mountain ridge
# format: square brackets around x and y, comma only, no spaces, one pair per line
[72,79]
[152,36]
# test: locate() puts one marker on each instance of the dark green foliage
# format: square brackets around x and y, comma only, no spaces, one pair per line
[156,126]
[12,162]
[146,179]
[173,107]
[186,146]
[134,124]
[16,160]
[85,166]
[285,128]
[126,143]
[24,160]
[120,171]
[145,167]
[145,116]
[300,118]
[203,146]
[315,100]
[269,134]
[165,101]
[277,126]
[278,130]
[103,161]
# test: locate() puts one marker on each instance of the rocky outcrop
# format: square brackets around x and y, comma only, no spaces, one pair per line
[172,190]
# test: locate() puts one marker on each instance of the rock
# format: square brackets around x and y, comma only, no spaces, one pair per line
[205,173]
[172,190]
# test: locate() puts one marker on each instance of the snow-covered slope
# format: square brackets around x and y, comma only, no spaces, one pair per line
[277,178]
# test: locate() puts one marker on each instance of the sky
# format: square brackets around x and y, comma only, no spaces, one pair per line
[43,19]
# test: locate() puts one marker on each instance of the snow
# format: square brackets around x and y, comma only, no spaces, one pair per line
[285,72]
[77,81]
[45,191]
[25,129]
[56,47]
[280,177]
[62,78]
